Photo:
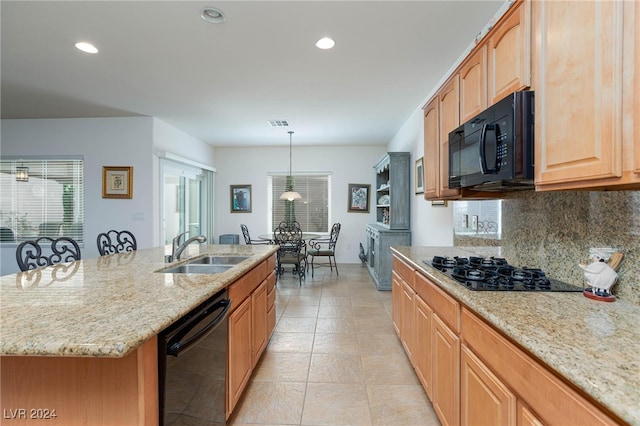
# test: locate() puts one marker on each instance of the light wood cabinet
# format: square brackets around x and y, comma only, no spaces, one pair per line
[431,169]
[422,345]
[509,53]
[484,399]
[407,311]
[446,372]
[68,391]
[240,353]
[539,389]
[586,83]
[473,84]
[250,326]
[258,321]
[460,361]
[449,119]
[499,65]
[396,296]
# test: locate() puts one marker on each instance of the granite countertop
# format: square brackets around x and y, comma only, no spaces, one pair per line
[110,305]
[595,345]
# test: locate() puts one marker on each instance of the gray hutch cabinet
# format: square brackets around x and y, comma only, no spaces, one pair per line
[391,199]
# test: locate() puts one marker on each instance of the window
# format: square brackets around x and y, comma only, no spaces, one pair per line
[312,211]
[41,197]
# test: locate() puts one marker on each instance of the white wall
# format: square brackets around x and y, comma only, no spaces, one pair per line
[250,166]
[104,142]
[430,225]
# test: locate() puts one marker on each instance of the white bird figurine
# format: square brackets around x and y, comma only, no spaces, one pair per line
[600,276]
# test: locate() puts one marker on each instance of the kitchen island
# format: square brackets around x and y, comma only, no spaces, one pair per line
[590,346]
[78,340]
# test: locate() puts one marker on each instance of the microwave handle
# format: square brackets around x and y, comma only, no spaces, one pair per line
[484,155]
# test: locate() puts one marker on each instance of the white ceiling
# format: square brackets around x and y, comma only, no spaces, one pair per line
[222,83]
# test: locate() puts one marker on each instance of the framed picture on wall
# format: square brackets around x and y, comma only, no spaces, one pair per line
[240,198]
[358,198]
[117,182]
[419,176]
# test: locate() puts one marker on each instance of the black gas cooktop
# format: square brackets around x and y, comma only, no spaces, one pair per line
[495,274]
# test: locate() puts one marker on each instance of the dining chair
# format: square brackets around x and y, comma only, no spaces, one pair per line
[29,253]
[325,247]
[247,237]
[113,241]
[292,248]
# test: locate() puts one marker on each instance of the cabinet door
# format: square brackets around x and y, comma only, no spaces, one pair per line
[484,399]
[406,309]
[509,53]
[449,118]
[578,91]
[396,297]
[259,321]
[431,150]
[446,372]
[473,84]
[526,417]
[422,344]
[239,356]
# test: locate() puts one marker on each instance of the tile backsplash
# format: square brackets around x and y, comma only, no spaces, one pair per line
[555,230]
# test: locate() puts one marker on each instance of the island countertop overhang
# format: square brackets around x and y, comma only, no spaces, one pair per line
[110,305]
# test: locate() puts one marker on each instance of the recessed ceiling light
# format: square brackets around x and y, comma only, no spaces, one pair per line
[212,14]
[325,43]
[86,47]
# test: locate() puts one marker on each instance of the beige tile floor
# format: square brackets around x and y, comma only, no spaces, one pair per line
[333,359]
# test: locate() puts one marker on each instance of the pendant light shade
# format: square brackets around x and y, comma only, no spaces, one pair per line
[290,194]
[22,174]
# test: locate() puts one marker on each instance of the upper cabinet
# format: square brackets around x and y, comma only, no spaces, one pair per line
[449,119]
[509,53]
[496,67]
[473,84]
[587,95]
[431,150]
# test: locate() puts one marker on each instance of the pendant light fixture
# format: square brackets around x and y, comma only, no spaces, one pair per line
[22,173]
[290,195]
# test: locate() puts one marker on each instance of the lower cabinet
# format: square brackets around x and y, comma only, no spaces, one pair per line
[445,354]
[251,323]
[473,374]
[484,399]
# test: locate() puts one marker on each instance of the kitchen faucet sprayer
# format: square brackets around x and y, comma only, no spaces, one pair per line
[177,248]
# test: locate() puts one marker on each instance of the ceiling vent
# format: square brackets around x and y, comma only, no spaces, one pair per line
[278,123]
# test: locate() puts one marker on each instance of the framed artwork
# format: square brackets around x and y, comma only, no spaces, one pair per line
[117,182]
[419,176]
[358,201]
[240,198]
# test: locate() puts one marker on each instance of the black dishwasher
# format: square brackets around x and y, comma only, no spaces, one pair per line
[192,359]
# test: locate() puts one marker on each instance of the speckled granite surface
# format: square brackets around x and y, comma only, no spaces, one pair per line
[554,231]
[595,345]
[106,306]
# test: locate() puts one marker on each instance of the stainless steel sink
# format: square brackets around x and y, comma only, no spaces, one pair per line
[191,268]
[217,260]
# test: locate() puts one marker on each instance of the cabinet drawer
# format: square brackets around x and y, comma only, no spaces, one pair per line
[405,271]
[244,286]
[553,400]
[447,308]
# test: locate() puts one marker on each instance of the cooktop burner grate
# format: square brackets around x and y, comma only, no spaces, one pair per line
[495,274]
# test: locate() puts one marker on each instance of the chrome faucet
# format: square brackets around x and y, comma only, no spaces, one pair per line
[177,248]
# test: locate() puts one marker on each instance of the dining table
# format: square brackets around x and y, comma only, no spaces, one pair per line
[306,236]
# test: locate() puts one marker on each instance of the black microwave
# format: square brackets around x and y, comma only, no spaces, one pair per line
[494,150]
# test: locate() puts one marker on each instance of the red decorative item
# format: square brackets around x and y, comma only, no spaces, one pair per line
[588,293]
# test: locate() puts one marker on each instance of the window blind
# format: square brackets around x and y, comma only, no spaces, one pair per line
[50,203]
[312,211]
